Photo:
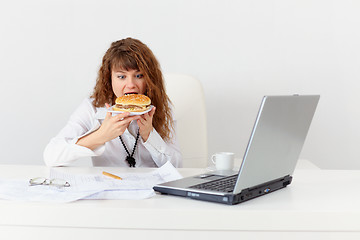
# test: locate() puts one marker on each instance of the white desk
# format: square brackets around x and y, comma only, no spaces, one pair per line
[319,204]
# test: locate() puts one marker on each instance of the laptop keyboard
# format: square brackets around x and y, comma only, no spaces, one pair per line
[222,185]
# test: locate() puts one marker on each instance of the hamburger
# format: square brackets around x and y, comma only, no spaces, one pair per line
[132,103]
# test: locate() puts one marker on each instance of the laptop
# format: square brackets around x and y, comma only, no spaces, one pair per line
[270,158]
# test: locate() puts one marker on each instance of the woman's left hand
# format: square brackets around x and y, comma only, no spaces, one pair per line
[145,124]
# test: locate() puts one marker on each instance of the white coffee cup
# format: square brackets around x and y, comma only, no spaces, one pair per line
[223,160]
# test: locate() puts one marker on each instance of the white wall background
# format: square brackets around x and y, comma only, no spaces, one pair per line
[50,52]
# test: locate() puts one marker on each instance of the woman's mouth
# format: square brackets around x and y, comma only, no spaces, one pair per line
[127,93]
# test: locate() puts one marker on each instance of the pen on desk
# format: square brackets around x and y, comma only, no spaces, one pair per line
[111,175]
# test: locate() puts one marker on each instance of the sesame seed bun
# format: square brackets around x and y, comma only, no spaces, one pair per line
[132,103]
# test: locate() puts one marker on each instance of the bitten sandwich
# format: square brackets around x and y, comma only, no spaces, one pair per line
[132,103]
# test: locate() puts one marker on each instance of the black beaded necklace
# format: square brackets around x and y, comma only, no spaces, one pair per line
[131,161]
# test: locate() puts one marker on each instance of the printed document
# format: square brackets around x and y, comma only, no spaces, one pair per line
[132,186]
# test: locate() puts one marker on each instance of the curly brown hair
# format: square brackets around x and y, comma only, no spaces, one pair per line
[131,54]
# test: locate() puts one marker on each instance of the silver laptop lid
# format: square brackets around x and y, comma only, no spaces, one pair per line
[277,138]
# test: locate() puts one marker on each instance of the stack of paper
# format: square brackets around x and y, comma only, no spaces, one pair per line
[132,186]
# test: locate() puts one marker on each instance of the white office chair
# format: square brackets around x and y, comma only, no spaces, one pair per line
[187,96]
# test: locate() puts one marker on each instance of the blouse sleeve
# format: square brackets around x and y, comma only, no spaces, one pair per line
[162,151]
[62,149]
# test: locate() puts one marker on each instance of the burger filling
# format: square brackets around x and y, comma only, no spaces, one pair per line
[132,107]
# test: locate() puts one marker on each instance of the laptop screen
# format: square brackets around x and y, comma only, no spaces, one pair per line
[277,139]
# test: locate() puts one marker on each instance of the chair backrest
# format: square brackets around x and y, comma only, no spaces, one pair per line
[186,94]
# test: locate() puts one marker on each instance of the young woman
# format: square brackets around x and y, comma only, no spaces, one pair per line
[148,140]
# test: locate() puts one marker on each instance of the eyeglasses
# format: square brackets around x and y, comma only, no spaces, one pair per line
[45,181]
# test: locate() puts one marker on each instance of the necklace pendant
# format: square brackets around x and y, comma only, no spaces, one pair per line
[131,161]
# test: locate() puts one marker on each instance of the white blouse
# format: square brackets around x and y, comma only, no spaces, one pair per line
[62,150]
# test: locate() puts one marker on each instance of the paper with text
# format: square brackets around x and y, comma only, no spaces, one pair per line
[133,186]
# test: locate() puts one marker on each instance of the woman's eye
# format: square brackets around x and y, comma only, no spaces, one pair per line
[139,76]
[121,76]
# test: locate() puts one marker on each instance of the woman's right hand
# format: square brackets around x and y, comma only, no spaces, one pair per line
[112,127]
